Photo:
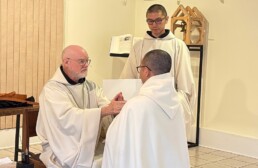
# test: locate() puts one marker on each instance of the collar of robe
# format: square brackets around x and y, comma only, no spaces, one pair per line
[161,36]
[69,80]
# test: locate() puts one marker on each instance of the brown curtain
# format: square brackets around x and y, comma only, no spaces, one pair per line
[31,40]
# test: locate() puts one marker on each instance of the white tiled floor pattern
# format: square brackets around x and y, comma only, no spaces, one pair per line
[200,157]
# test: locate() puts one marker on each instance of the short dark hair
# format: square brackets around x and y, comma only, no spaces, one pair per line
[159,61]
[157,8]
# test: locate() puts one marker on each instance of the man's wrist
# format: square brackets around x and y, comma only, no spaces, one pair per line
[104,111]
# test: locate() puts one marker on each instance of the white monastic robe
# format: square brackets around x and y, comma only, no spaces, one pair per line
[149,132]
[68,122]
[181,69]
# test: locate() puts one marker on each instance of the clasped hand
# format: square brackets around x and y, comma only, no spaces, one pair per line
[115,105]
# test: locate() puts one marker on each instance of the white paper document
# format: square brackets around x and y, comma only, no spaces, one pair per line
[129,87]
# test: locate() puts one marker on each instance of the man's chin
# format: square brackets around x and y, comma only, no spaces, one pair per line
[82,75]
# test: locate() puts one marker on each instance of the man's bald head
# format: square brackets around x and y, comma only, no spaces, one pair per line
[75,62]
[73,51]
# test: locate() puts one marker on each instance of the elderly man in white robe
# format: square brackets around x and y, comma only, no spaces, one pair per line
[160,38]
[72,110]
[149,132]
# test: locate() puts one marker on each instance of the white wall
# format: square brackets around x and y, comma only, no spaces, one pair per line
[91,23]
[231,64]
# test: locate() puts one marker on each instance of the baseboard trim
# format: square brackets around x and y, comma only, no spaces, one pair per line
[219,140]
[9,138]
[237,144]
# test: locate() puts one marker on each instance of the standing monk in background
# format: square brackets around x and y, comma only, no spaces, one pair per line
[160,38]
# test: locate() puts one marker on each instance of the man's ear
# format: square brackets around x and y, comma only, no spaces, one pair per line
[65,61]
[148,72]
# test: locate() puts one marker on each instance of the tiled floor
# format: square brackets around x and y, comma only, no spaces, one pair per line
[10,152]
[200,157]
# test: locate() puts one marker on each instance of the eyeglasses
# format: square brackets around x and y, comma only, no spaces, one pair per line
[142,66]
[157,21]
[82,61]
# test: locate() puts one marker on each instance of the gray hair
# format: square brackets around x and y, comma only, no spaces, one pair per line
[159,61]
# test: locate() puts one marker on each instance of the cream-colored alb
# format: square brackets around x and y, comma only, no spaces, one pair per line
[181,69]
[68,122]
